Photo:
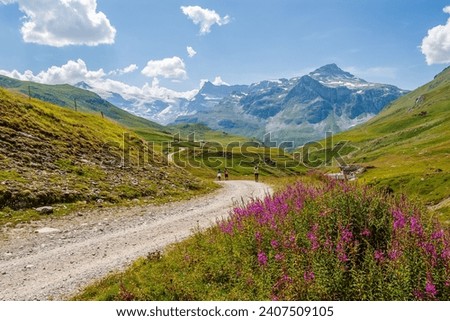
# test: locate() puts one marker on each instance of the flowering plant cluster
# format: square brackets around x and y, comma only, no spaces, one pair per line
[338,241]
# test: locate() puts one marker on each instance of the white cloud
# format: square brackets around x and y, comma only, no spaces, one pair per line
[173,68]
[191,52]
[436,45]
[131,68]
[218,81]
[70,73]
[204,17]
[61,23]
[75,71]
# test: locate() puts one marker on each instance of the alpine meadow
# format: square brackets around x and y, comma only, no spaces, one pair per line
[293,151]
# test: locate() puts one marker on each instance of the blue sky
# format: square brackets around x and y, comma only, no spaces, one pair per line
[141,45]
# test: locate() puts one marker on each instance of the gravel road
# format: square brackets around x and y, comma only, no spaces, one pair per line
[53,258]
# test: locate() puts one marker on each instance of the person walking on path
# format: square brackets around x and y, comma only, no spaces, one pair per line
[219,175]
[225,173]
[256,172]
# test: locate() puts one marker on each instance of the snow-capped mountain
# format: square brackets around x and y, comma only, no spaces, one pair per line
[300,109]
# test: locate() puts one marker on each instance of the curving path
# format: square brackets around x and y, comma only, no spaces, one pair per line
[53,258]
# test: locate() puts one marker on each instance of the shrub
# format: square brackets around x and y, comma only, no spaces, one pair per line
[338,241]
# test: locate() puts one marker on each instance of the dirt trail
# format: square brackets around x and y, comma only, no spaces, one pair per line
[53,258]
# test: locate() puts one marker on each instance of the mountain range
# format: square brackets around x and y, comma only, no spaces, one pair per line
[299,109]
[405,148]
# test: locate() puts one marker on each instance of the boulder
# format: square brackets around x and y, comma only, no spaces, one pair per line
[45,210]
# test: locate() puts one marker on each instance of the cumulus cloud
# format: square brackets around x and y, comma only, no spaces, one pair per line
[61,23]
[218,81]
[173,68]
[191,52]
[70,73]
[76,71]
[206,18]
[131,68]
[436,45]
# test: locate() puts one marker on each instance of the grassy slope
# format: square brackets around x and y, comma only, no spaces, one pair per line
[408,143]
[86,101]
[50,155]
[213,150]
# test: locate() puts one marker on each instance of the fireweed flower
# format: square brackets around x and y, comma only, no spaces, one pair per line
[378,255]
[274,244]
[437,234]
[347,235]
[365,233]
[430,288]
[312,237]
[445,254]
[308,276]
[415,226]
[258,237]
[340,251]
[394,254]
[262,258]
[279,257]
[399,219]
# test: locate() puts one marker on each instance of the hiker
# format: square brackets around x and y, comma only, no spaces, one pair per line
[256,171]
[219,175]
[225,173]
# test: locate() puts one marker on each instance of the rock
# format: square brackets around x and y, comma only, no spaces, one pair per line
[45,210]
[47,230]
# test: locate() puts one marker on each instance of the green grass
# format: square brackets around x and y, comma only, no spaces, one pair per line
[314,241]
[406,146]
[54,155]
[204,158]
[68,96]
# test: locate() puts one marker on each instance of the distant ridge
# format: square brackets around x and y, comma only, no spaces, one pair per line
[85,100]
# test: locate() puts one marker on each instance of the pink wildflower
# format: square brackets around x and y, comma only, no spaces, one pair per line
[274,244]
[394,254]
[279,257]
[347,235]
[437,234]
[365,233]
[399,219]
[262,258]
[308,276]
[379,256]
[430,288]
[416,227]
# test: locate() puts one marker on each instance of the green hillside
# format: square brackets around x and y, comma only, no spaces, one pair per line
[86,101]
[406,147]
[51,155]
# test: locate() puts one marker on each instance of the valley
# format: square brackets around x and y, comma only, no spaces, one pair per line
[115,186]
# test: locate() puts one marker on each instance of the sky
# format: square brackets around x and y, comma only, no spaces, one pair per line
[169,48]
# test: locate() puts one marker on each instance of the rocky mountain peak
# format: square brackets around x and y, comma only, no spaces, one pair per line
[331,70]
[333,76]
